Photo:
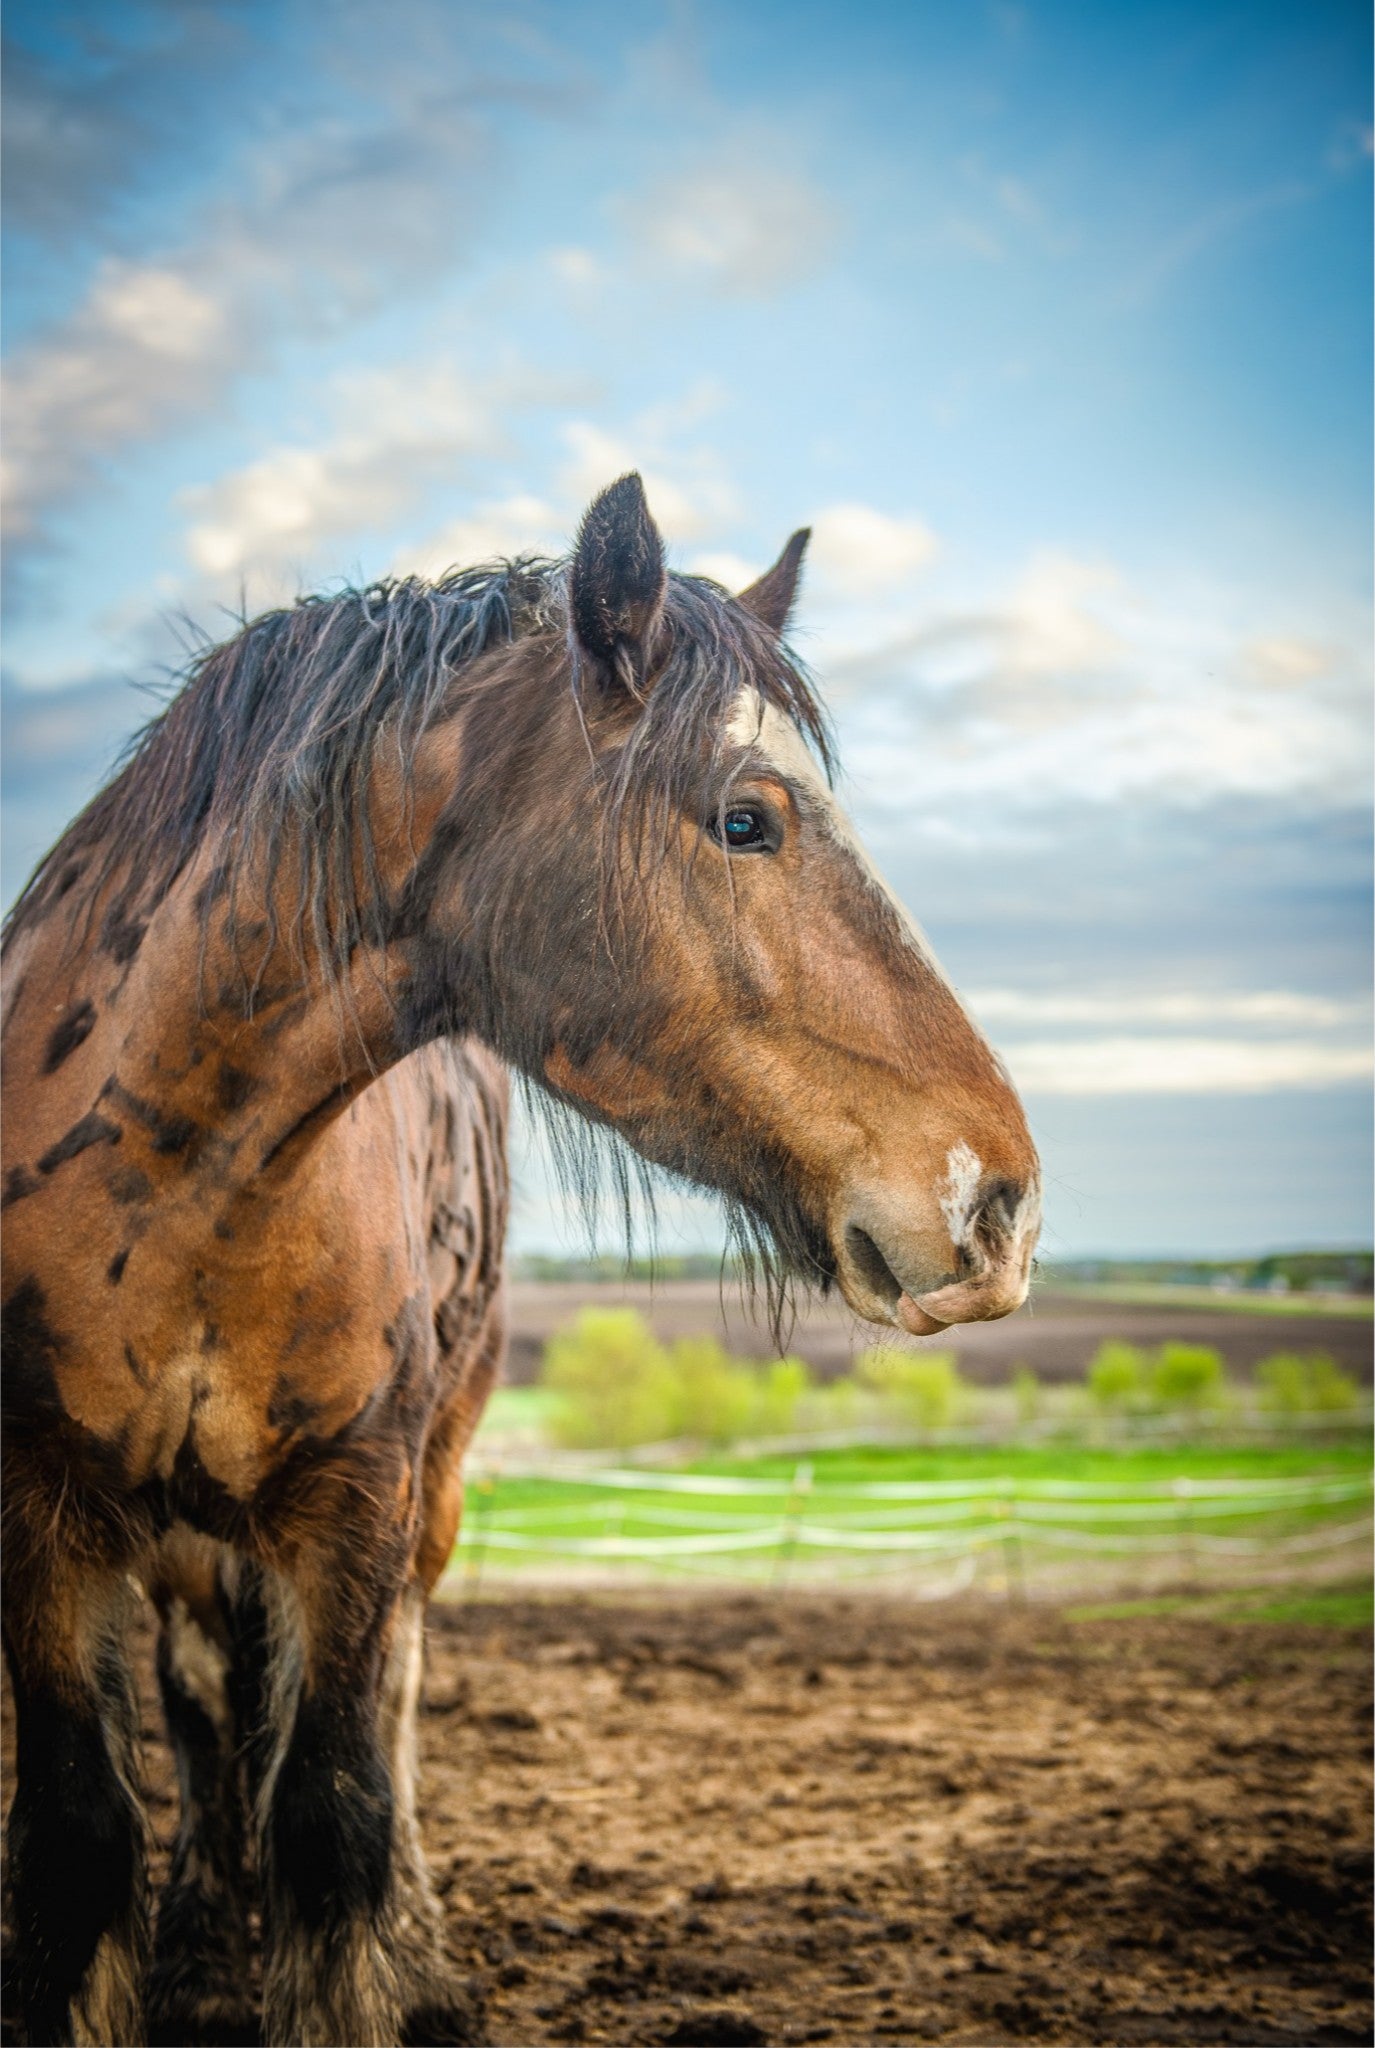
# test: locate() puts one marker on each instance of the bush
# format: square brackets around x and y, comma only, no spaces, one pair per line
[714,1397]
[779,1393]
[1330,1390]
[923,1387]
[1305,1383]
[615,1381]
[1028,1394]
[832,1409]
[1116,1379]
[618,1386]
[1283,1383]
[1187,1376]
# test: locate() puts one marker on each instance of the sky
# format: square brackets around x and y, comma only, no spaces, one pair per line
[1052,320]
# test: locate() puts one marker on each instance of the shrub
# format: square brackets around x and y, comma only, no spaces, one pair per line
[713,1395]
[778,1395]
[1311,1383]
[834,1407]
[1028,1394]
[1283,1381]
[1187,1376]
[923,1387]
[614,1380]
[1115,1376]
[1330,1390]
[1306,1383]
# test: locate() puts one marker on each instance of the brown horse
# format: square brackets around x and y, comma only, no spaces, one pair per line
[566,818]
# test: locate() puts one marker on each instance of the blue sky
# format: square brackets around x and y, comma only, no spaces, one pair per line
[1052,320]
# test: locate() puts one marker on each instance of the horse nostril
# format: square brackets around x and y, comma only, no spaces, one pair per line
[872,1264]
[999,1203]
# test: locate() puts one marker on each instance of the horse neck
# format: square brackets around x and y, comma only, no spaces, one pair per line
[223,1039]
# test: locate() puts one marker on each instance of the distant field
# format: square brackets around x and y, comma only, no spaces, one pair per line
[1151,1294]
[1056,1334]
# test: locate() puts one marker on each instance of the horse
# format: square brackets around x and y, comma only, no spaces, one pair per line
[571,821]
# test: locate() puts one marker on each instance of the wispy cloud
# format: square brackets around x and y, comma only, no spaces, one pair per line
[1136,1065]
[1077,687]
[76,137]
[322,219]
[1263,1008]
[858,551]
[394,435]
[742,221]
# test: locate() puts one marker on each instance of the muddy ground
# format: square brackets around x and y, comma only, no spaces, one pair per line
[1055,1334]
[741,1818]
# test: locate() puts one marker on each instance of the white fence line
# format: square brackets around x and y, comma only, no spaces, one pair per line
[959,1513]
[790,1535]
[616,1478]
[890,1525]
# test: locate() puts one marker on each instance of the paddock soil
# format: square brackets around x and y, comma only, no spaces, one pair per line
[744,1819]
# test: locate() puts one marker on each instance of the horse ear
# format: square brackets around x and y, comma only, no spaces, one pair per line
[616,587]
[771,598]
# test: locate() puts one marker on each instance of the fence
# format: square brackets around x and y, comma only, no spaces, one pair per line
[939,1534]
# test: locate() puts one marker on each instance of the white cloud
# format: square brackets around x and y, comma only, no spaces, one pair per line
[1122,1041]
[688,490]
[147,344]
[576,267]
[326,218]
[741,222]
[1284,1007]
[396,433]
[1286,662]
[1051,629]
[732,571]
[857,551]
[521,524]
[1132,1065]
[1074,687]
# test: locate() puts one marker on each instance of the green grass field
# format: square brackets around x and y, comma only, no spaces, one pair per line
[1348,1605]
[1197,1502]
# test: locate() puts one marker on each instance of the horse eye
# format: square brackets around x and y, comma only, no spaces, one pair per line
[741,828]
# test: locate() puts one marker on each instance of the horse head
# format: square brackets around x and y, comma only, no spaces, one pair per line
[652,904]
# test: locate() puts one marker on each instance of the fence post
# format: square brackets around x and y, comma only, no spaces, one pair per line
[484,1487]
[1184,1525]
[797,1494]
[1013,1570]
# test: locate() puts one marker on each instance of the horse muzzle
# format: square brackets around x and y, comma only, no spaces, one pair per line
[924,1276]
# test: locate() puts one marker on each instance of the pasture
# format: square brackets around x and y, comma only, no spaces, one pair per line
[1012,1520]
[1055,1335]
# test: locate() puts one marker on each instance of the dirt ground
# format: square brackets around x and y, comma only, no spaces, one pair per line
[1055,1334]
[742,1819]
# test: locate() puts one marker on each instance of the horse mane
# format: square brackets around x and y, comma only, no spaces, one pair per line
[269,741]
[269,746]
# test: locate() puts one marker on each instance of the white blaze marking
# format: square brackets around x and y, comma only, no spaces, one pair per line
[755,723]
[959,1190]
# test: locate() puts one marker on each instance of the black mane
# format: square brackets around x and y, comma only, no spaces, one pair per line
[268,750]
[272,737]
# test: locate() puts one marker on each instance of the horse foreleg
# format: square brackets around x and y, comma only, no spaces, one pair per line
[77,1846]
[201,1986]
[327,1815]
[435,2009]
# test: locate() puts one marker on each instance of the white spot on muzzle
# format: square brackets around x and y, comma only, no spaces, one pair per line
[958,1192]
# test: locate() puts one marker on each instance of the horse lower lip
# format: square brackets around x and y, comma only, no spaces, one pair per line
[915,1320]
